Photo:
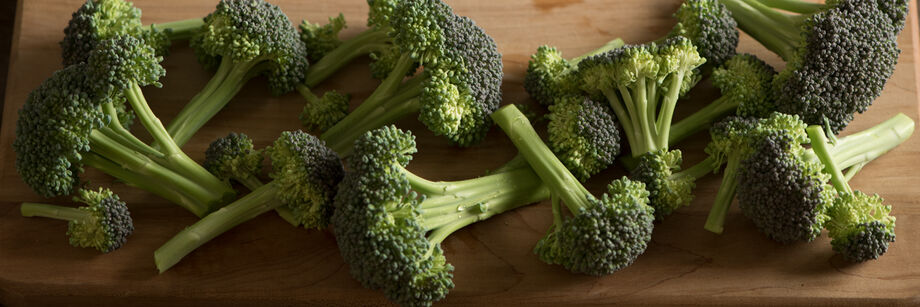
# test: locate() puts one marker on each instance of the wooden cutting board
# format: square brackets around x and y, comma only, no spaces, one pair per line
[267,261]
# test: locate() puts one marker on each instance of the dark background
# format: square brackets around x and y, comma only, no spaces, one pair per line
[7,15]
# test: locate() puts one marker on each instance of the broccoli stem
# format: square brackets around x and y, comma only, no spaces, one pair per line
[795,6]
[779,33]
[246,208]
[252,183]
[666,114]
[553,173]
[54,212]
[373,114]
[867,145]
[371,40]
[612,44]
[214,97]
[820,147]
[180,29]
[716,220]
[702,119]
[117,131]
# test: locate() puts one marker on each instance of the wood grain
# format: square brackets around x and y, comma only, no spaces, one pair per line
[267,261]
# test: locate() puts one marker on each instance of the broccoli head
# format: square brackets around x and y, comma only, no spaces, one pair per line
[550,76]
[104,223]
[234,157]
[321,39]
[321,113]
[711,28]
[668,186]
[583,134]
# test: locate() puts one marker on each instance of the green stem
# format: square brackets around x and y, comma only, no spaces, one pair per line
[613,44]
[629,128]
[701,120]
[54,212]
[869,144]
[773,35]
[795,6]
[156,182]
[557,177]
[716,220]
[700,169]
[250,206]
[116,130]
[180,29]
[371,40]
[820,147]
[667,111]
[252,183]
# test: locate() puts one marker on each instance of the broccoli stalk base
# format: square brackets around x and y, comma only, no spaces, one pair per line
[180,29]
[716,220]
[369,41]
[777,31]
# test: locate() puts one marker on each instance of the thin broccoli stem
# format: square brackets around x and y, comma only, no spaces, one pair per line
[646,119]
[700,169]
[666,114]
[630,127]
[54,212]
[795,6]
[819,146]
[116,130]
[557,214]
[553,173]
[370,116]
[223,69]
[702,119]
[371,40]
[851,172]
[869,144]
[175,158]
[727,189]
[180,29]
[778,37]
[257,202]
[612,44]
[252,183]
[392,83]
[203,107]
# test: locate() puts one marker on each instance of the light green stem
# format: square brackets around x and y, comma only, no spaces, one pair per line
[54,212]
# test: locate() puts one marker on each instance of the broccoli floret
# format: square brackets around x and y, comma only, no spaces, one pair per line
[668,186]
[104,223]
[550,76]
[583,135]
[604,234]
[782,187]
[839,54]
[389,222]
[98,20]
[71,120]
[711,28]
[234,157]
[242,39]
[323,113]
[453,95]
[305,175]
[320,39]
[860,226]
[745,83]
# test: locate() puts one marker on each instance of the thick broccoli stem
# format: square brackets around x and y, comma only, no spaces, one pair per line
[54,212]
[702,119]
[715,222]
[257,202]
[777,31]
[371,40]
[373,114]
[175,158]
[554,174]
[795,6]
[252,183]
[180,29]
[222,87]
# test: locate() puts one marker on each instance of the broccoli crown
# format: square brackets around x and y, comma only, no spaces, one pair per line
[464,82]
[747,80]
[380,12]
[326,111]
[846,54]
[781,191]
[739,136]
[98,20]
[583,134]
[383,62]
[53,129]
[254,31]
[119,63]
[307,173]
[668,191]
[378,223]
[232,156]
[549,76]
[109,224]
[710,26]
[606,236]
[860,226]
[320,39]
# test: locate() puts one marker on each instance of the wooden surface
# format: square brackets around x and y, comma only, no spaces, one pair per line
[266,260]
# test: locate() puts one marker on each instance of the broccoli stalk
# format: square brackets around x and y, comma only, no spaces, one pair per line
[860,226]
[243,39]
[104,223]
[305,175]
[606,233]
[390,223]
[839,54]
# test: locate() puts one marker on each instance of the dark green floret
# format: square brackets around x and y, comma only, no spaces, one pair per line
[838,55]
[389,222]
[455,92]
[305,175]
[860,226]
[321,113]
[321,39]
[711,28]
[234,157]
[71,119]
[604,234]
[783,188]
[241,39]
[583,134]
[668,186]
[98,20]
[550,76]
[104,223]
